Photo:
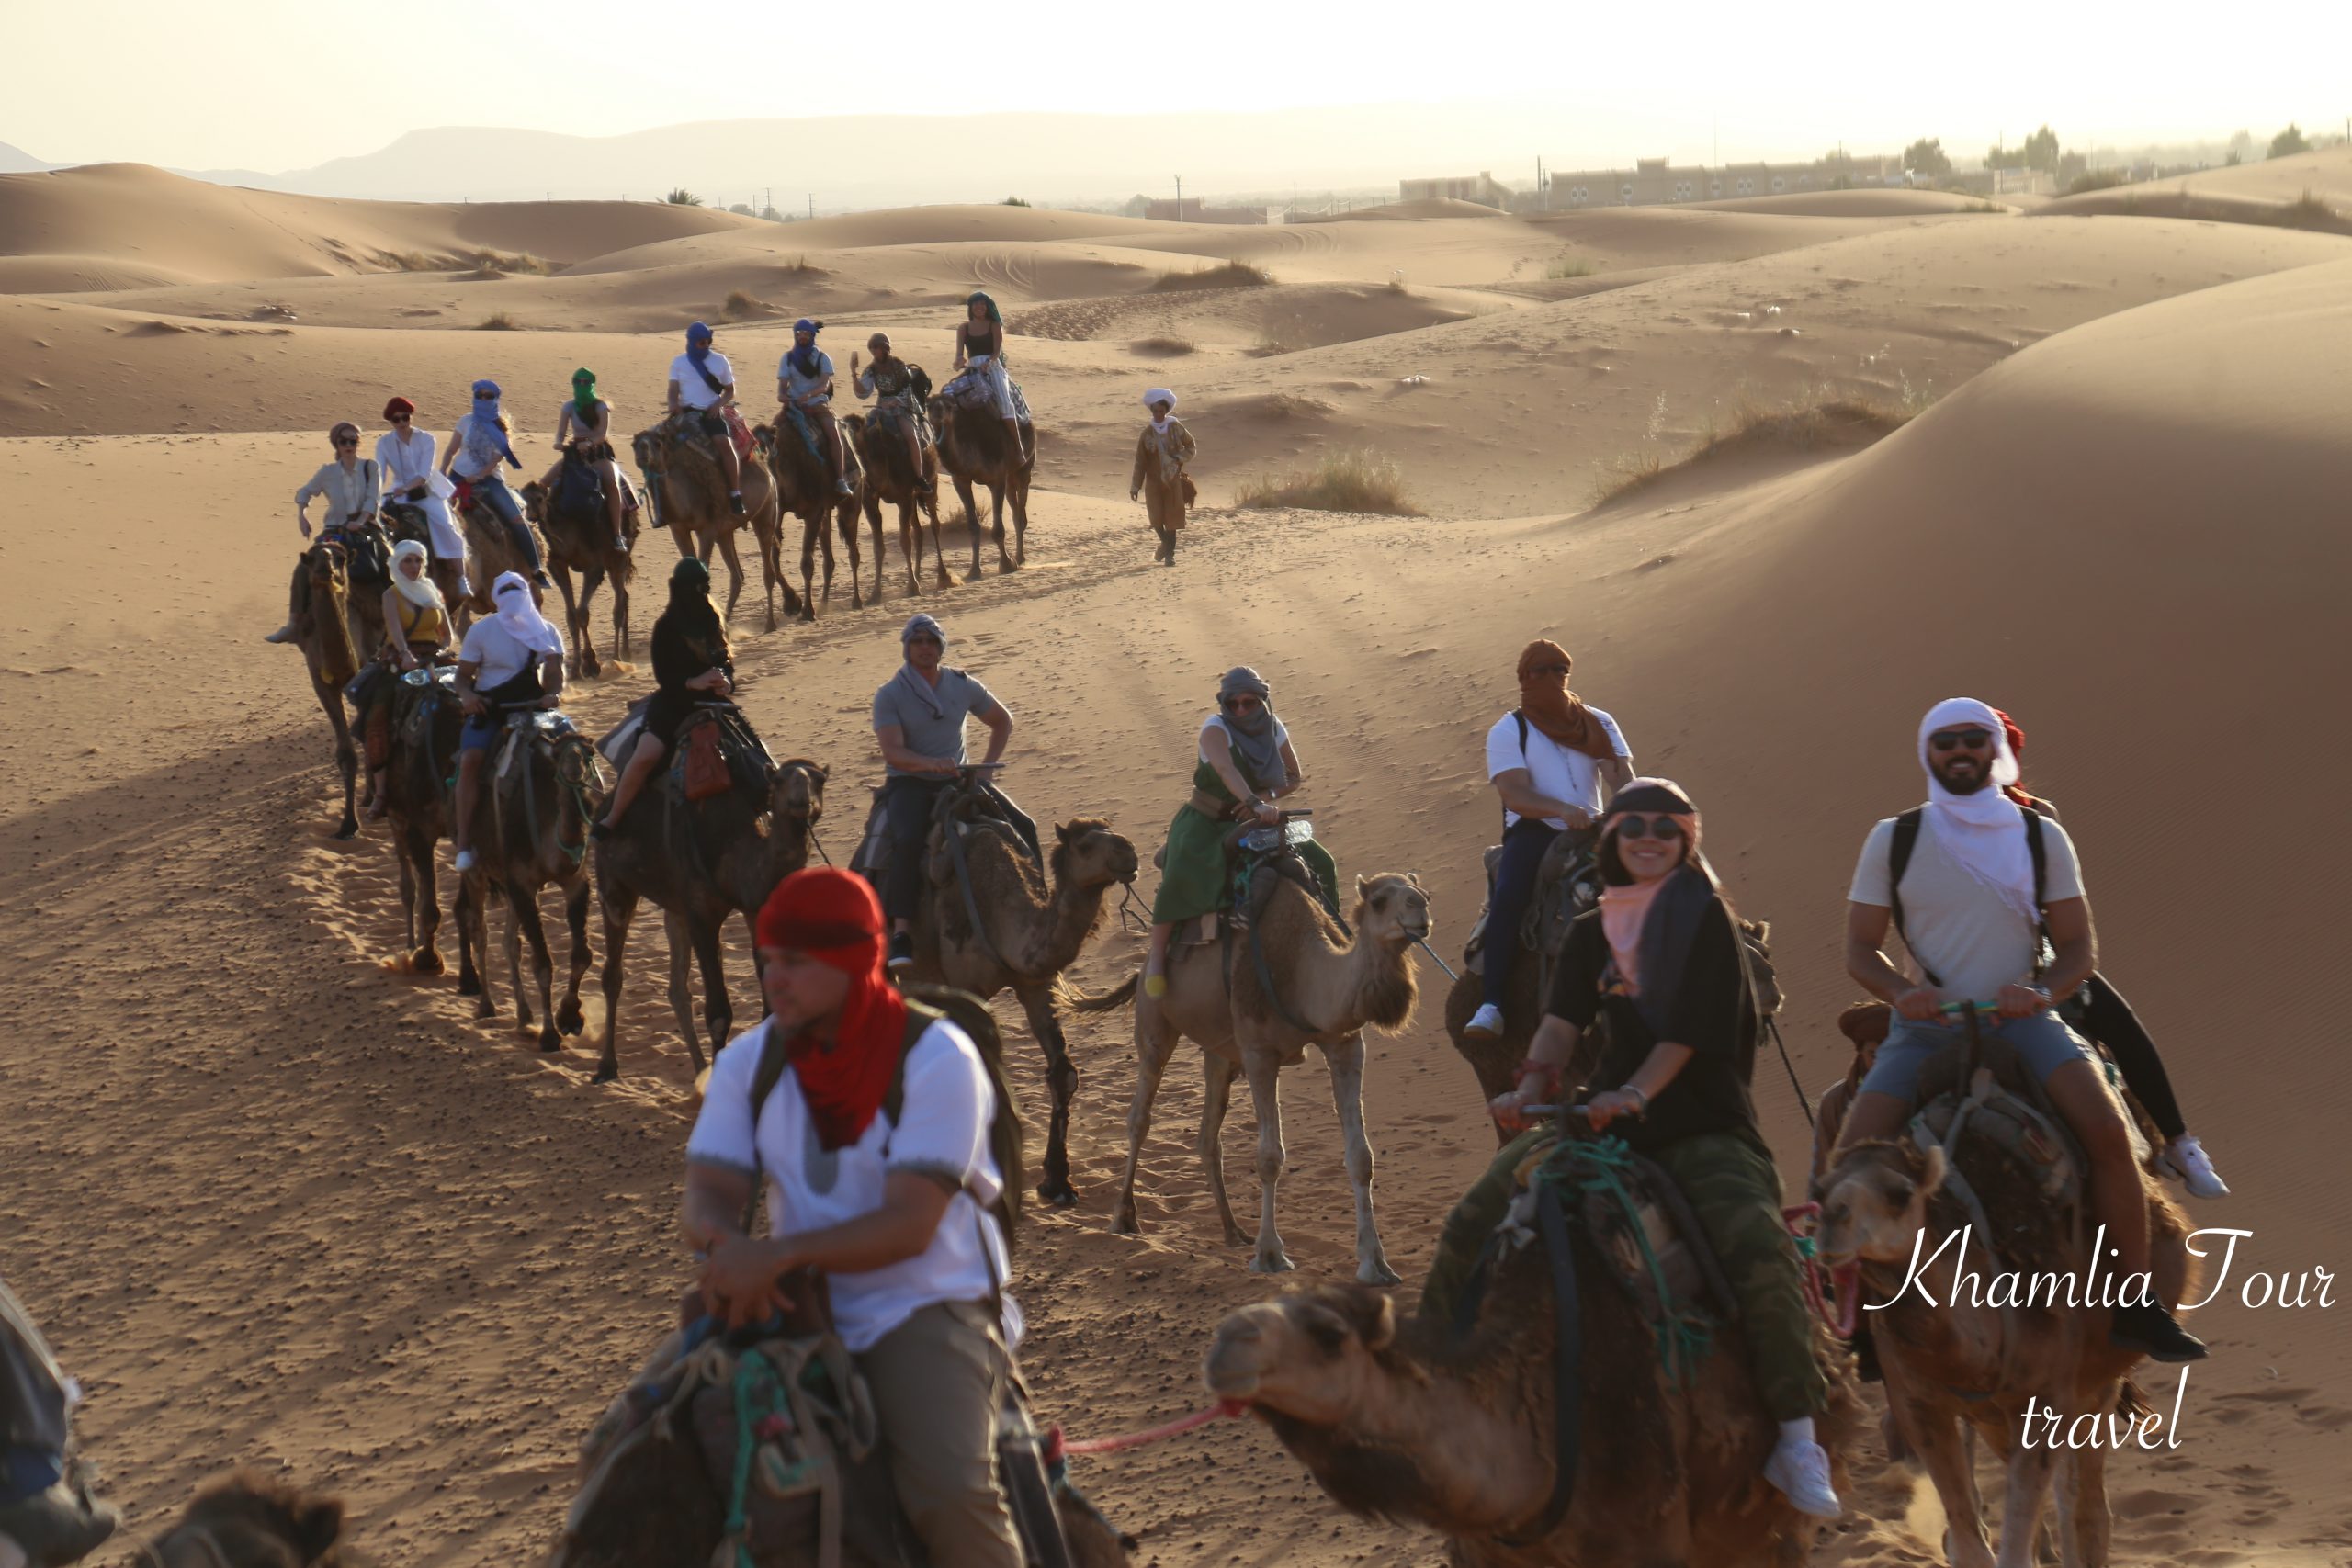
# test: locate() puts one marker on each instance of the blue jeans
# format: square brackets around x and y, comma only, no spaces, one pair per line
[1524,843]
[2042,1043]
[491,492]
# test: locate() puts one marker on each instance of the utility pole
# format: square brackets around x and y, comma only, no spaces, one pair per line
[1180,199]
[812,205]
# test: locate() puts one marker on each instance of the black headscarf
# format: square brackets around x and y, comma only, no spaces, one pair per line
[1671,928]
[692,614]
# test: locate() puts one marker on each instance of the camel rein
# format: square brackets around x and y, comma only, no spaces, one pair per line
[1057,1445]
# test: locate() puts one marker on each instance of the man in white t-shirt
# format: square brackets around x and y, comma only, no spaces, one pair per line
[1554,759]
[702,379]
[893,1206]
[1973,911]
[510,661]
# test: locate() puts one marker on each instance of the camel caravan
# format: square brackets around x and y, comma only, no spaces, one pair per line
[1632,1347]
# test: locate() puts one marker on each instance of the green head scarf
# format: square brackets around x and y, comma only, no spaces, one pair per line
[584,391]
[994,314]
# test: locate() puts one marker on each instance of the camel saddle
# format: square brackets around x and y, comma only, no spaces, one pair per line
[1567,883]
[970,389]
[718,751]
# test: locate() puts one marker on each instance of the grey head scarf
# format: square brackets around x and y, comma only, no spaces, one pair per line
[1254,743]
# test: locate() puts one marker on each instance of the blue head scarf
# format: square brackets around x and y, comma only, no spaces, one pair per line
[804,358]
[698,342]
[485,442]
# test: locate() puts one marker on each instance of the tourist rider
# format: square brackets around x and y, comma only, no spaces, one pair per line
[692,665]
[1161,452]
[46,1513]
[510,660]
[1974,929]
[1660,961]
[2105,1016]
[919,721]
[476,448]
[891,1206]
[586,420]
[1243,762]
[404,454]
[350,485]
[891,384]
[1554,759]
[804,385]
[703,380]
[416,629]
[979,349]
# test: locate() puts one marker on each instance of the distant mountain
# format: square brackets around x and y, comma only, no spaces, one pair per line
[887,159]
[16,160]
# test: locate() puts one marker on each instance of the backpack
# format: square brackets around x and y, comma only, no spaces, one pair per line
[1898,860]
[926,1005]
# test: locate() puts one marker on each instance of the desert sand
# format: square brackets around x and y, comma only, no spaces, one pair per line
[278,1203]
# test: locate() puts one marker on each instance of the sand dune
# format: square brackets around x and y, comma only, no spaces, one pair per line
[1848,204]
[279,1205]
[2310,190]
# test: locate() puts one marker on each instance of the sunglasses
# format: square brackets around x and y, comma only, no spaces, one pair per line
[485,396]
[926,641]
[346,440]
[1954,739]
[1242,705]
[1549,669]
[399,419]
[1666,829]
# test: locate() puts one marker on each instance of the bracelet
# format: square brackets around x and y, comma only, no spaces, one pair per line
[1531,1068]
[1636,1090]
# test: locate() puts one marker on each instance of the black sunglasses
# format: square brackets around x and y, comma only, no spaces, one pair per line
[346,440]
[921,638]
[1666,829]
[1549,669]
[1953,740]
[1238,705]
[399,419]
[485,396]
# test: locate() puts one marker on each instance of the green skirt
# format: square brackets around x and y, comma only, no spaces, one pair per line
[1193,879]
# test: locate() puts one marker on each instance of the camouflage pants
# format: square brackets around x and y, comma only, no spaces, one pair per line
[1734,1188]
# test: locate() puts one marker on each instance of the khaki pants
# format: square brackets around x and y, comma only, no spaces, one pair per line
[938,1380]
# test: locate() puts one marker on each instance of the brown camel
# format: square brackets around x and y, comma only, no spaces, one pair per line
[579,536]
[805,490]
[893,477]
[975,449]
[688,492]
[530,831]
[1330,986]
[250,1520]
[1030,932]
[1404,1421]
[699,863]
[1959,1358]
[418,809]
[1531,984]
[490,552]
[324,630]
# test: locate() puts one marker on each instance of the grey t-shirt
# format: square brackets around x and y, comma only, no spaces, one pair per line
[930,719]
[1954,924]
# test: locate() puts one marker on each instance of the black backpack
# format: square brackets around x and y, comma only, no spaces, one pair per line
[926,1005]
[1898,860]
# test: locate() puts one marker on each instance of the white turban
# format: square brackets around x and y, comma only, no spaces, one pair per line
[418,590]
[519,613]
[1160,395]
[1985,832]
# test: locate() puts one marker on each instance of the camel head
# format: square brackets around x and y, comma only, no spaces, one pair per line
[1087,854]
[535,502]
[330,568]
[1392,909]
[1313,1355]
[250,1520]
[1874,1203]
[648,448]
[797,793]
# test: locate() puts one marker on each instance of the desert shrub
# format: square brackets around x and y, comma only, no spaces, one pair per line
[1353,478]
[1570,267]
[1230,275]
[498,321]
[1166,344]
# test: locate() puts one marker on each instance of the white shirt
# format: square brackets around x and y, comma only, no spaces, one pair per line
[498,651]
[693,390]
[1955,925]
[459,463]
[806,388]
[947,1111]
[408,463]
[351,495]
[1560,772]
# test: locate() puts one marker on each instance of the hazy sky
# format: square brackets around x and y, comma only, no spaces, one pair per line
[279,85]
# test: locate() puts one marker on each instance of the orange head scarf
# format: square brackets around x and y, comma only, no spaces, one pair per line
[1551,707]
[833,917]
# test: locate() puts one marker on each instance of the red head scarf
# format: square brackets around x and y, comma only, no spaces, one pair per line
[2015,733]
[398,406]
[833,917]
[1551,707]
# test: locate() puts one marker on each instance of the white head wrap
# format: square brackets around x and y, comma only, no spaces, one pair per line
[1160,395]
[1985,832]
[519,613]
[418,590]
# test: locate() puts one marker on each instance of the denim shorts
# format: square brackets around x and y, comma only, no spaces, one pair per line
[2041,1042]
[480,733]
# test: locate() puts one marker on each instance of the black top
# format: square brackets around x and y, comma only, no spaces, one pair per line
[679,656]
[981,339]
[1711,1015]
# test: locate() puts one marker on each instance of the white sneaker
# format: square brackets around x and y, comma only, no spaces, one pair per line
[2186,1159]
[1486,1024]
[465,861]
[1800,1470]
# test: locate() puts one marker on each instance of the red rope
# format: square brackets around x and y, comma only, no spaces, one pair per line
[1810,1270]
[1057,1445]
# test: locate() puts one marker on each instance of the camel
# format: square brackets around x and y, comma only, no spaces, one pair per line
[489,553]
[250,1520]
[699,863]
[1328,992]
[1031,931]
[531,832]
[974,449]
[419,809]
[804,490]
[892,476]
[1958,1361]
[580,538]
[689,496]
[1405,1421]
[325,634]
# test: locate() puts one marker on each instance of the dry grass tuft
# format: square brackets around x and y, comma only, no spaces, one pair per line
[498,321]
[740,306]
[1570,267]
[1168,345]
[1353,478]
[2307,211]
[1809,425]
[1230,275]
